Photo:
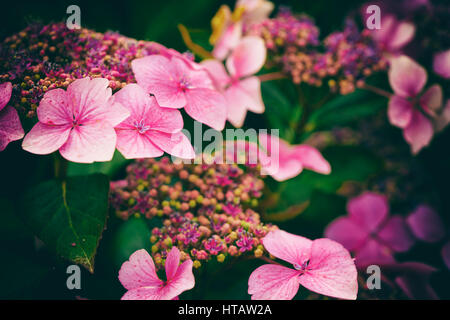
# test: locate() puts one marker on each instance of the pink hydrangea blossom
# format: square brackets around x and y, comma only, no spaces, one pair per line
[407,109]
[178,85]
[441,64]
[288,161]
[394,34]
[323,266]
[138,276]
[369,232]
[426,224]
[10,126]
[242,90]
[150,129]
[227,31]
[255,11]
[78,122]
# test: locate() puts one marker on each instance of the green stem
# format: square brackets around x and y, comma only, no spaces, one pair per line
[376,90]
[60,165]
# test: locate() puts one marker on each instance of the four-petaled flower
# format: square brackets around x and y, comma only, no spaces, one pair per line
[78,122]
[242,90]
[408,110]
[176,84]
[369,232]
[323,266]
[150,129]
[10,126]
[138,276]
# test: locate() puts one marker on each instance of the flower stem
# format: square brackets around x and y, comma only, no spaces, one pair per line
[271,76]
[60,167]
[376,90]
[195,48]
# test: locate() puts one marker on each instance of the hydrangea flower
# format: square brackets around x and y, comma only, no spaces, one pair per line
[10,126]
[393,34]
[289,161]
[78,122]
[226,31]
[369,232]
[177,85]
[323,266]
[408,110]
[242,90]
[138,276]
[149,130]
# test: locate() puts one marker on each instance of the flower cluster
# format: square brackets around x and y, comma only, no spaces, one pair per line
[207,210]
[45,57]
[344,58]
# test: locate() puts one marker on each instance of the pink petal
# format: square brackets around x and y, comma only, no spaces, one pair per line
[144,293]
[183,280]
[426,224]
[55,108]
[228,40]
[368,210]
[247,58]
[5,94]
[407,78]
[446,254]
[157,75]
[273,282]
[87,97]
[346,232]
[400,111]
[91,142]
[443,119]
[139,271]
[331,271]
[373,253]
[402,35]
[242,96]
[10,127]
[431,101]
[45,139]
[206,106]
[143,107]
[396,235]
[176,144]
[172,263]
[419,132]
[134,145]
[441,64]
[288,247]
[284,164]
[312,159]
[217,72]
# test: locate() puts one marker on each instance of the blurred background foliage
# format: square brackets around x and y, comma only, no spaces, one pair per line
[27,273]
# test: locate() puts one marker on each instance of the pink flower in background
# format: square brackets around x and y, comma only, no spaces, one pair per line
[10,126]
[441,64]
[78,122]
[322,266]
[149,130]
[413,278]
[408,110]
[138,276]
[425,224]
[394,34]
[176,85]
[288,161]
[369,232]
[242,90]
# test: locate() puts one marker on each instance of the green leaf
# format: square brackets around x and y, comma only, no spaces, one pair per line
[132,235]
[344,110]
[109,168]
[69,216]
